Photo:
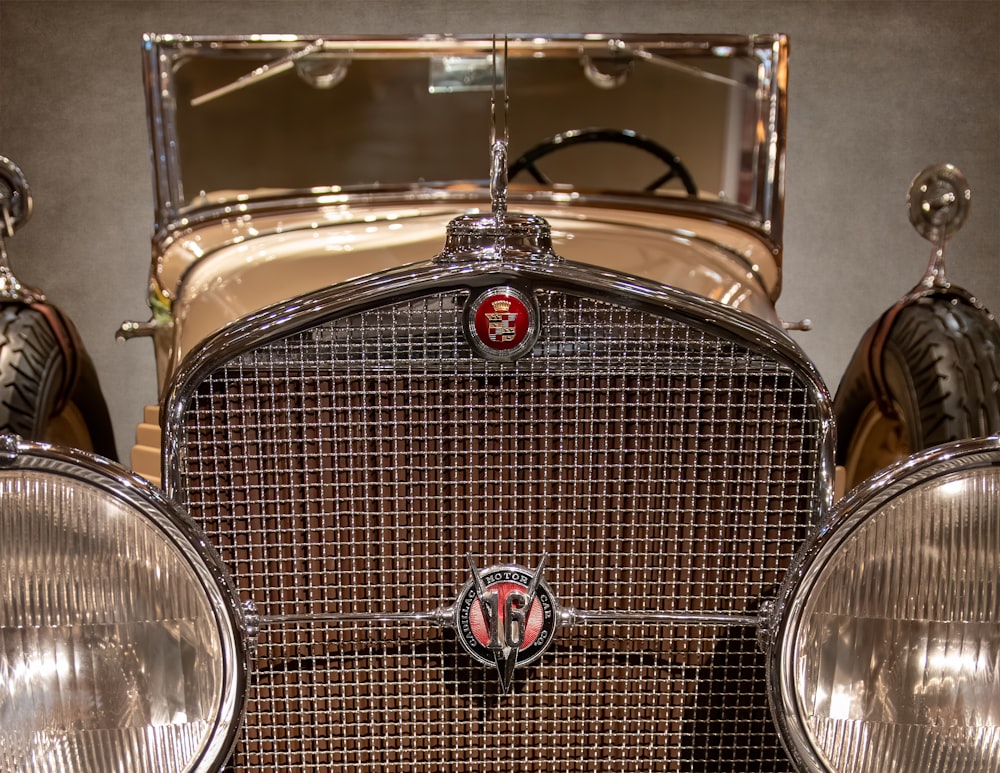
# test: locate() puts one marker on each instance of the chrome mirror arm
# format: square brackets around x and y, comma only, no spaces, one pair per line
[15,204]
[938,203]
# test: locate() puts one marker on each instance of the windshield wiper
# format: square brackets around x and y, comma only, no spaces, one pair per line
[263,72]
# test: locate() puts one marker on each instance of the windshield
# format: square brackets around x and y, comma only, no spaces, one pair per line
[240,117]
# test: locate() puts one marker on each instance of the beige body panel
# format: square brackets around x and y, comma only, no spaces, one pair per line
[146,451]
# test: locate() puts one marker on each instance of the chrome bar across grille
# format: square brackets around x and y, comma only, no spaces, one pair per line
[347,469]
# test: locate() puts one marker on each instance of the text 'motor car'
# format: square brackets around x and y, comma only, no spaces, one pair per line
[482,446]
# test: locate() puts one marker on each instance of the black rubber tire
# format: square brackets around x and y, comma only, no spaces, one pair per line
[941,369]
[33,382]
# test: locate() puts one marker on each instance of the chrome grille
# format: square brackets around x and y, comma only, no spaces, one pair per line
[346,470]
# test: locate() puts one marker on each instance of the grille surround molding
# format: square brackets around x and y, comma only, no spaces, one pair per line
[414,282]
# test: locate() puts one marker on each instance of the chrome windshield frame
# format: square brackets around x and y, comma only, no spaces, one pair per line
[162,53]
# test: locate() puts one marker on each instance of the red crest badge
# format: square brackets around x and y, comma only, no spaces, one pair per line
[502,323]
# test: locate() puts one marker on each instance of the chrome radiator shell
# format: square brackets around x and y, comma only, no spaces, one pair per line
[346,450]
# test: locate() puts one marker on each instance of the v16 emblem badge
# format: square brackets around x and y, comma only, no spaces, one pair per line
[506,616]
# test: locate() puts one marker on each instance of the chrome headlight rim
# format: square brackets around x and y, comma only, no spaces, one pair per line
[186,537]
[846,518]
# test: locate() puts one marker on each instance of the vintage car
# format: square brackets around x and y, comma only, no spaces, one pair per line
[482,445]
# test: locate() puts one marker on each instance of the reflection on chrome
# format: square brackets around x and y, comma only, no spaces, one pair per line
[893,657]
[115,651]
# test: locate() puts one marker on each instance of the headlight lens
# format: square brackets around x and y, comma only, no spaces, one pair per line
[118,641]
[890,658]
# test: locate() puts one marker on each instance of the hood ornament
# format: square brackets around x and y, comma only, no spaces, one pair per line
[506,617]
[500,235]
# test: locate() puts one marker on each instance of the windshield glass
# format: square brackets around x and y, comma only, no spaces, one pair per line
[250,116]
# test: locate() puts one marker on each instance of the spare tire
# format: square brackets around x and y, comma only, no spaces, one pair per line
[49,389]
[927,372]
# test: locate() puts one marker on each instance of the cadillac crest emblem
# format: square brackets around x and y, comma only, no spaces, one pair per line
[506,616]
[502,323]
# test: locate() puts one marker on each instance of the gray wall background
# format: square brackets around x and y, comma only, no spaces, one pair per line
[878,90]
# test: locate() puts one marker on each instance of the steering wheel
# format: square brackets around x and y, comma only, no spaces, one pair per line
[619,136]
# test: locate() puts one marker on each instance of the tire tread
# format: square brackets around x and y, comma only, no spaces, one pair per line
[941,367]
[31,368]
[945,360]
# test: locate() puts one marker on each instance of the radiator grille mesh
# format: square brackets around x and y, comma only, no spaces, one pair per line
[350,467]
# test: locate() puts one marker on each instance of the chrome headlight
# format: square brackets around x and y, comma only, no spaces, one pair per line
[120,644]
[889,650]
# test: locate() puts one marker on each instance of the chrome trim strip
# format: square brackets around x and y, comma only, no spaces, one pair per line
[723,213]
[443,618]
[155,74]
[440,618]
[771,163]
[599,617]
